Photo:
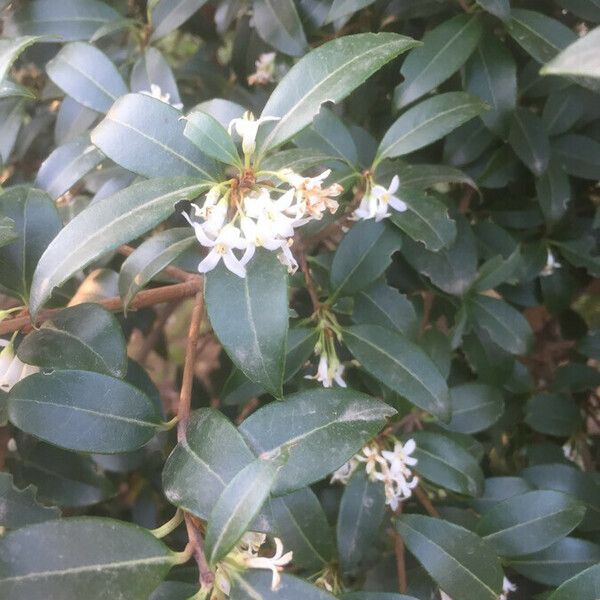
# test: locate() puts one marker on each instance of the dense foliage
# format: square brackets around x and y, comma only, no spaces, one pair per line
[299,299]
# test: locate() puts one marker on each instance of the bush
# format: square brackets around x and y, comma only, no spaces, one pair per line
[299,299]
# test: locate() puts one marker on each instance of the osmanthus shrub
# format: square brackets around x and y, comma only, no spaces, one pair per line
[299,300]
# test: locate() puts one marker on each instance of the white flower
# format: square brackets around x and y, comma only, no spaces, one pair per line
[12,369]
[247,127]
[507,588]
[328,373]
[265,69]
[156,92]
[551,265]
[375,203]
[345,472]
[372,459]
[313,198]
[275,563]
[228,240]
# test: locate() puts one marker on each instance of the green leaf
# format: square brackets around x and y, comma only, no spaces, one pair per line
[328,73]
[586,9]
[168,15]
[505,325]
[152,68]
[345,8]
[444,462]
[530,522]
[256,584]
[73,121]
[66,165]
[497,489]
[425,220]
[497,270]
[584,586]
[204,462]
[491,74]
[498,8]
[376,596]
[255,339]
[362,256]
[563,109]
[11,49]
[445,49]
[529,139]
[553,190]
[360,516]
[87,75]
[579,61]
[64,408]
[64,478]
[553,414]
[84,557]
[475,407]
[559,562]
[400,365]
[151,257]
[211,137]
[104,226]
[145,135]
[460,562]
[579,155]
[70,20]
[428,122]
[323,429]
[540,36]
[85,337]
[297,159]
[278,24]
[237,506]
[424,176]
[19,508]
[383,305]
[36,222]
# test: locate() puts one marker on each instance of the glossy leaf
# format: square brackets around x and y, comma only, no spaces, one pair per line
[279,25]
[211,137]
[460,562]
[324,428]
[578,155]
[497,489]
[87,75]
[584,586]
[553,414]
[256,339]
[328,73]
[362,256]
[168,15]
[529,140]
[554,191]
[104,226]
[498,8]
[153,68]
[84,337]
[475,407]
[11,49]
[63,408]
[256,584]
[400,365]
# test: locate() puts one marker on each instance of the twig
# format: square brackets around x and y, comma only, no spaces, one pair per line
[143,299]
[423,498]
[185,397]
[400,558]
[310,283]
[157,327]
[206,575]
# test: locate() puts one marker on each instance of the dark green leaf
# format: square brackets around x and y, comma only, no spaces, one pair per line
[345,8]
[79,337]
[211,137]
[497,489]
[151,257]
[168,15]
[529,139]
[584,586]
[563,109]
[85,557]
[87,75]
[578,154]
[428,122]
[328,73]
[256,584]
[362,256]
[145,135]
[104,226]
[460,562]
[475,407]
[553,414]
[530,522]
[553,190]
[65,409]
[445,49]
[255,340]
[499,8]
[202,464]
[279,25]
[323,429]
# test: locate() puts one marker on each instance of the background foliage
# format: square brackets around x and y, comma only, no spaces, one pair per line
[467,323]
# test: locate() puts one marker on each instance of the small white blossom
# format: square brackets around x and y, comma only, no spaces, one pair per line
[551,265]
[247,128]
[12,369]
[275,563]
[374,204]
[345,472]
[228,240]
[329,372]
[265,70]
[312,196]
[156,92]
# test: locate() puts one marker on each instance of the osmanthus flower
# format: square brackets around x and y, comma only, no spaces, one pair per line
[377,200]
[165,97]
[391,467]
[551,264]
[12,368]
[507,588]
[247,128]
[310,192]
[246,555]
[265,70]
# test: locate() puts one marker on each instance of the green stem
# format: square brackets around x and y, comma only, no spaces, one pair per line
[168,527]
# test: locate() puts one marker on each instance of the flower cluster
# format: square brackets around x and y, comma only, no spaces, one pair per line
[377,200]
[392,467]
[156,92]
[265,70]
[246,556]
[330,369]
[238,216]
[12,369]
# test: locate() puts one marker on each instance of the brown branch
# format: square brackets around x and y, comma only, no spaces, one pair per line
[310,283]
[157,327]
[167,293]
[423,498]
[206,575]
[399,551]
[185,396]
